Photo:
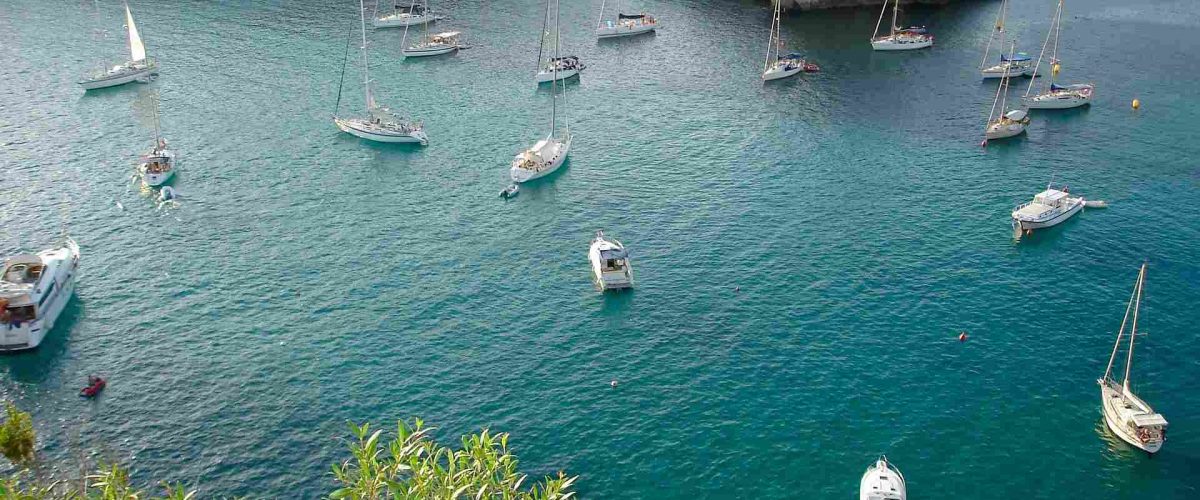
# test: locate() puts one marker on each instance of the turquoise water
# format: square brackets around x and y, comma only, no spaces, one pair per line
[307,278]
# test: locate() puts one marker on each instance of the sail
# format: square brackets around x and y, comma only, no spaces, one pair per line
[137,50]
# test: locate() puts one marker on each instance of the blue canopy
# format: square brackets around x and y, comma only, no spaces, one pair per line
[1021,56]
[1055,88]
[793,55]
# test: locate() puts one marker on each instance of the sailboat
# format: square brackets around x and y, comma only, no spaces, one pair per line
[380,124]
[158,165]
[625,25]
[782,65]
[431,45]
[547,154]
[1010,123]
[1015,64]
[899,39]
[554,67]
[399,17]
[138,68]
[1127,415]
[1055,96]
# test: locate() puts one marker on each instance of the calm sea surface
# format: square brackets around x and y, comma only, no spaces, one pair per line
[307,278]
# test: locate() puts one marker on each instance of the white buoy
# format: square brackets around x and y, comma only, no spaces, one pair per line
[613,383]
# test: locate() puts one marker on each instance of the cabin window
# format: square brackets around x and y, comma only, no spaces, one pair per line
[21,314]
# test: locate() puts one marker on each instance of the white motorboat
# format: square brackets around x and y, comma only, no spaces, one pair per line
[610,263]
[560,68]
[1128,416]
[34,289]
[158,165]
[625,24]
[1057,96]
[138,68]
[380,124]
[547,154]
[899,39]
[779,65]
[1008,124]
[882,481]
[1048,208]
[435,45]
[1019,64]
[416,14]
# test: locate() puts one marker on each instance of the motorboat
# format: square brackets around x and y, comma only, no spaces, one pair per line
[416,14]
[540,160]
[1048,208]
[899,39]
[435,45]
[1019,64]
[1057,96]
[610,263]
[625,24]
[1125,414]
[34,289]
[157,166]
[1011,124]
[561,68]
[138,69]
[882,481]
[511,191]
[381,124]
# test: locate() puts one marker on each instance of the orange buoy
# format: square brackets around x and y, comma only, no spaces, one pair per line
[962,336]
[1137,104]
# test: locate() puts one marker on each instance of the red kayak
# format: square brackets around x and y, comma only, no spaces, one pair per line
[95,385]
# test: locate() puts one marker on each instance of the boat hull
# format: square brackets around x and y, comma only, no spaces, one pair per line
[429,51]
[520,175]
[114,81]
[547,76]
[891,46]
[398,138]
[1005,131]
[624,30]
[1053,221]
[403,21]
[1080,96]
[1112,422]
[780,72]
[156,180]
[30,334]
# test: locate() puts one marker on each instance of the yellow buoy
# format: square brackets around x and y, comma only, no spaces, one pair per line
[1137,104]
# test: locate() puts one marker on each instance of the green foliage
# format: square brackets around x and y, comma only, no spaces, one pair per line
[17,438]
[414,467]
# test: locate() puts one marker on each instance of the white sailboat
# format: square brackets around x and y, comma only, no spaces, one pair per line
[380,124]
[431,45]
[554,67]
[158,165]
[782,65]
[399,17]
[897,38]
[547,154]
[882,481]
[1008,124]
[138,68]
[34,289]
[1057,96]
[611,268]
[1010,65]
[625,24]
[1128,416]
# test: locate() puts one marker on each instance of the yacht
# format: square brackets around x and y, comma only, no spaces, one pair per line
[625,25]
[777,64]
[899,39]
[1019,64]
[158,166]
[1128,416]
[1062,97]
[138,68]
[435,45]
[34,289]
[1048,208]
[415,14]
[610,263]
[561,68]
[548,154]
[882,481]
[380,124]
[1010,124]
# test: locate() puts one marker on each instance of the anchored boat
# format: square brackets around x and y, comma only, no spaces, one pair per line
[34,289]
[610,263]
[547,154]
[625,25]
[1048,208]
[157,166]
[782,65]
[899,39]
[1057,96]
[1128,416]
[400,17]
[138,68]
[882,481]
[1008,124]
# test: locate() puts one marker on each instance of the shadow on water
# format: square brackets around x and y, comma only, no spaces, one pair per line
[1053,116]
[111,92]
[615,302]
[34,365]
[1048,236]
[545,87]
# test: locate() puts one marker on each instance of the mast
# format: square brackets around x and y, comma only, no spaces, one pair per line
[362,20]
[557,43]
[1038,64]
[157,133]
[1116,345]
[404,39]
[999,27]
[599,22]
[880,21]
[774,34]
[1133,330]
[542,37]
[895,12]
[342,79]
[553,69]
